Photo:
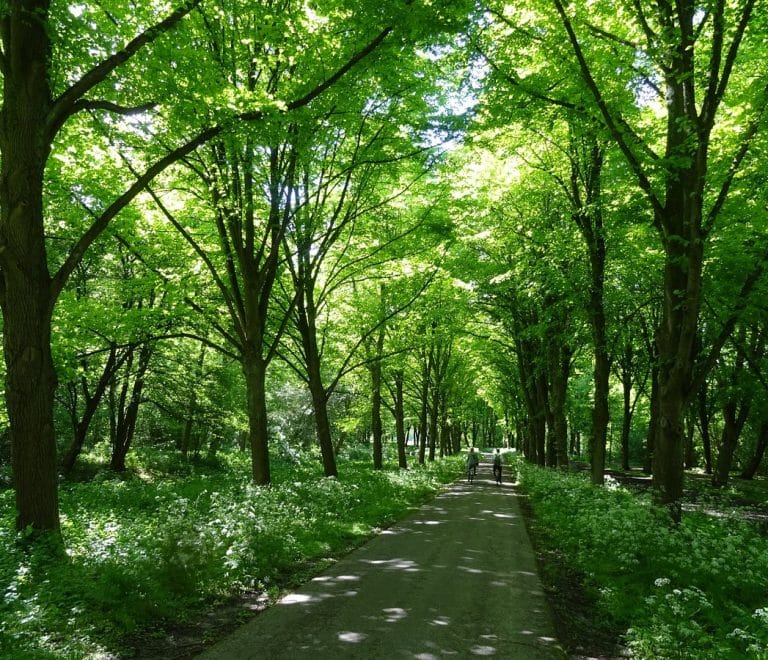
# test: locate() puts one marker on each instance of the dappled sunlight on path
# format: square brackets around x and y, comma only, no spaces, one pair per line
[457,578]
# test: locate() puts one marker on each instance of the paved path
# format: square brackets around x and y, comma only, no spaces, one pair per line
[456,579]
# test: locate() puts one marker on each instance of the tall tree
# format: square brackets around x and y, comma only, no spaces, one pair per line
[45,89]
[678,67]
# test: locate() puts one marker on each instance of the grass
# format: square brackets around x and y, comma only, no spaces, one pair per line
[698,590]
[149,550]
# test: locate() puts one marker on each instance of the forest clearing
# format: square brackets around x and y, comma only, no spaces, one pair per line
[268,270]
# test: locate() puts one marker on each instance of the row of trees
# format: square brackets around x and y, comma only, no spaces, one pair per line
[635,228]
[212,185]
[201,204]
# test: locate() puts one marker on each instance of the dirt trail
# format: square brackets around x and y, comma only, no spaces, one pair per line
[455,579]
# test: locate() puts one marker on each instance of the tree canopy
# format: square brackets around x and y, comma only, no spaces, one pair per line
[356,225]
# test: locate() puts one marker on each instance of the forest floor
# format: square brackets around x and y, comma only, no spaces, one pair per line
[581,630]
[457,576]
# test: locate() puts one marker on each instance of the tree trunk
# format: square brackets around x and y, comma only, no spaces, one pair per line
[127,412]
[693,92]
[734,418]
[424,408]
[376,426]
[602,372]
[586,172]
[626,420]
[445,430]
[255,372]
[25,289]
[706,440]
[92,402]
[191,410]
[653,422]
[690,448]
[399,410]
[434,409]
[676,338]
[540,419]
[560,367]
[320,408]
[306,323]
[376,383]
[751,468]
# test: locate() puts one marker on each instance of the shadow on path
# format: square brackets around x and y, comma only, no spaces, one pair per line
[455,579]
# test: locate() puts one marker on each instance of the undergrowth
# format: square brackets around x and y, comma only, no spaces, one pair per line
[696,590]
[151,548]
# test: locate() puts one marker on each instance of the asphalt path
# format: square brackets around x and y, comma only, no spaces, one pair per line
[455,579]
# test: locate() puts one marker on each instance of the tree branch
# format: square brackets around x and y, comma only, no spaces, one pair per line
[704,367]
[717,88]
[109,106]
[100,224]
[741,153]
[67,104]
[614,126]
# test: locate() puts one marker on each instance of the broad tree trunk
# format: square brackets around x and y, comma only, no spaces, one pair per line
[675,339]
[456,436]
[25,289]
[255,372]
[29,393]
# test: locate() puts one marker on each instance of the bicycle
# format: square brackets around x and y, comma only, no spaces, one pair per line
[471,472]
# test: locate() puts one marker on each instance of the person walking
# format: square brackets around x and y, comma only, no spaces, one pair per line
[473,460]
[497,466]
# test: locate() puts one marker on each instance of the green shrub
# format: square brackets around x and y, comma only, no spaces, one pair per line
[150,547]
[696,590]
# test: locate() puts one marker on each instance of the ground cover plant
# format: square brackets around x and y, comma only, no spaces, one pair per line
[148,550]
[699,589]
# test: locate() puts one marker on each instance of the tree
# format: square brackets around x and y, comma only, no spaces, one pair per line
[44,90]
[346,176]
[680,63]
